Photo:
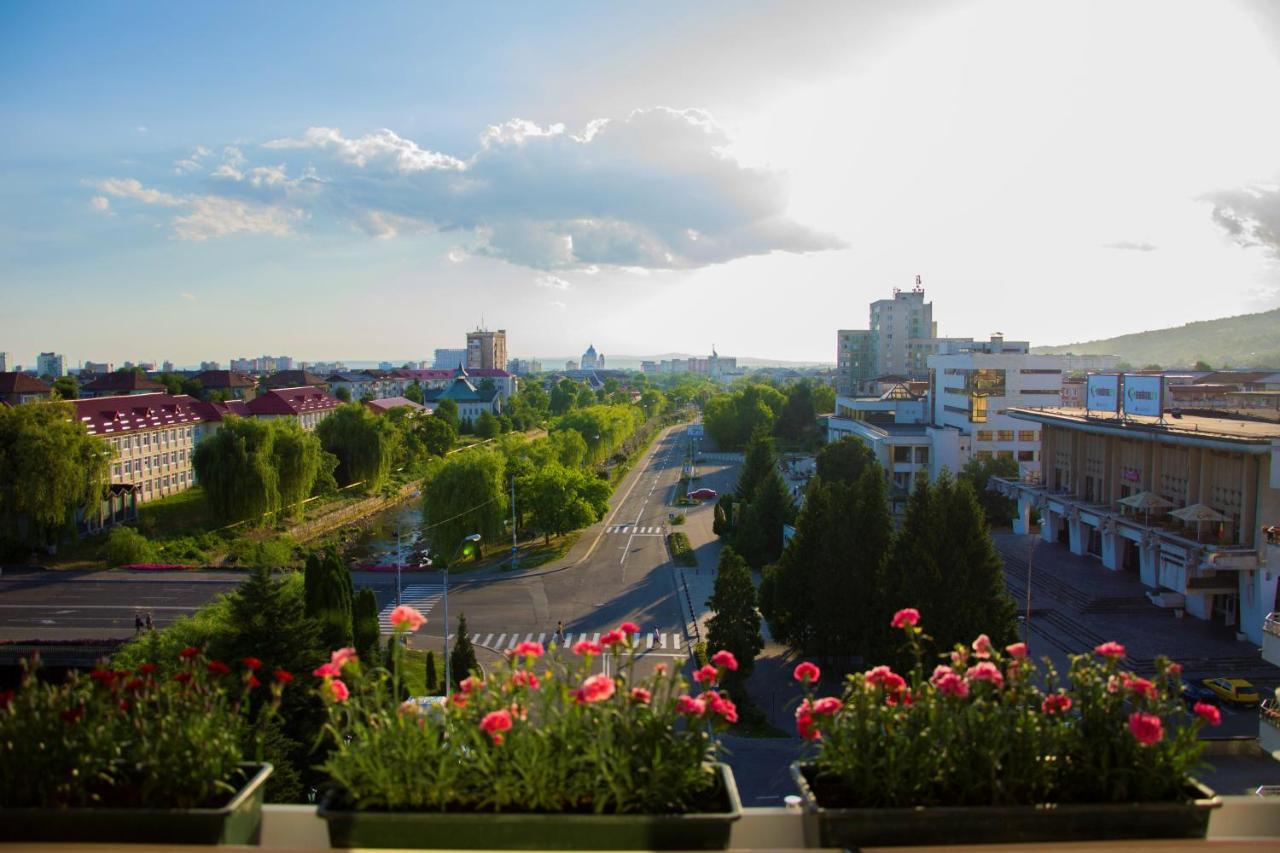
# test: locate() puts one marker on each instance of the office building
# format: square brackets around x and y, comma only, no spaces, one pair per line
[97,367]
[51,364]
[6,363]
[487,350]
[449,359]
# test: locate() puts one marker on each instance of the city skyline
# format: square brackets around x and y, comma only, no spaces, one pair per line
[631,175]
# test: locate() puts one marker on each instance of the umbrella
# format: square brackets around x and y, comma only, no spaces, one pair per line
[1199,513]
[1146,501]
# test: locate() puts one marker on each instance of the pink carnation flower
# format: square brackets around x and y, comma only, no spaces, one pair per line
[1147,729]
[722,707]
[953,684]
[532,649]
[985,671]
[807,672]
[495,723]
[640,696]
[827,705]
[725,659]
[326,670]
[406,618]
[339,690]
[982,646]
[1110,649]
[1017,651]
[612,638]
[689,706]
[597,688]
[586,647]
[1056,703]
[1208,713]
[706,674]
[906,617]
[629,628]
[1140,687]
[340,657]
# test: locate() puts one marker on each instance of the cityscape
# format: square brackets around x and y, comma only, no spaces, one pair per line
[638,469]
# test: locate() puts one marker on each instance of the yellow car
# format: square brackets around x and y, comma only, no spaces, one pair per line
[1235,690]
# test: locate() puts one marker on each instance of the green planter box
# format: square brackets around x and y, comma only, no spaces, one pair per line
[237,822]
[890,827]
[528,831]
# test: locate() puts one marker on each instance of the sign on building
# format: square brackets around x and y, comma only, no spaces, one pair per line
[1143,394]
[1103,392]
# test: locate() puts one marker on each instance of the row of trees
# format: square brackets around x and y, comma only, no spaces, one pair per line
[752,518]
[734,418]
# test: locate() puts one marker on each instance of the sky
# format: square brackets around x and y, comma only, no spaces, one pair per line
[370,181]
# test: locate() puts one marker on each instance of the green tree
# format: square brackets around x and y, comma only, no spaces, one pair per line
[462,657]
[997,508]
[567,447]
[364,444]
[364,624]
[343,393]
[653,402]
[447,411]
[414,392]
[329,596]
[759,536]
[824,399]
[466,493]
[236,468]
[757,465]
[563,397]
[49,467]
[798,417]
[735,418]
[487,425]
[126,546]
[735,625]
[297,457]
[432,682]
[561,499]
[843,460]
[65,388]
[436,434]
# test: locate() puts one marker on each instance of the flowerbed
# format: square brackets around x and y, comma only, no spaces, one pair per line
[538,734]
[987,727]
[158,567]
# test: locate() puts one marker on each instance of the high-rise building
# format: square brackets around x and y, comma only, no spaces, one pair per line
[523,366]
[98,367]
[6,362]
[449,359]
[487,350]
[210,365]
[51,364]
[167,366]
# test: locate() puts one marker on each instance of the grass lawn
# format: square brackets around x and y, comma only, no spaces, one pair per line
[540,553]
[415,671]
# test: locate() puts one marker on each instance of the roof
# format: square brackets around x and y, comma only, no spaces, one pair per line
[1233,376]
[129,413]
[437,374]
[461,391]
[223,379]
[388,403]
[21,383]
[291,401]
[350,376]
[288,379]
[125,381]
[1198,427]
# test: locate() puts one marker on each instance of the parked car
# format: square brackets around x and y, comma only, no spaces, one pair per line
[1235,690]
[1193,693]
[703,494]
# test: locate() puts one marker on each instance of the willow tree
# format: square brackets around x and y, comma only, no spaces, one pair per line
[466,493]
[237,469]
[364,444]
[49,467]
[297,457]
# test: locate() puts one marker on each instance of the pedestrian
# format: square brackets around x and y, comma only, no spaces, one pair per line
[137,623]
[151,625]
[559,635]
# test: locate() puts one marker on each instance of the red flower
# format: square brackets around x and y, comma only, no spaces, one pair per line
[612,638]
[217,667]
[597,688]
[1140,686]
[283,676]
[104,678]
[470,684]
[72,715]
[1147,729]
[182,677]
[882,676]
[188,653]
[807,672]
[1174,668]
[586,647]
[528,648]
[725,659]
[985,671]
[827,705]
[1110,649]
[146,669]
[689,706]
[254,682]
[1017,650]
[327,670]
[251,663]
[706,675]
[629,628]
[407,618]
[459,699]
[982,646]
[723,707]
[339,690]
[134,684]
[1208,713]
[1056,703]
[123,704]
[640,696]
[524,678]
[907,617]
[805,723]
[953,684]
[496,722]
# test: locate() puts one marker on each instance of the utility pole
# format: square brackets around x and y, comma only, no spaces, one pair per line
[399,557]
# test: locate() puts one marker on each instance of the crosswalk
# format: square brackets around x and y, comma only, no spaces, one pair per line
[422,596]
[506,641]
[636,529]
[719,457]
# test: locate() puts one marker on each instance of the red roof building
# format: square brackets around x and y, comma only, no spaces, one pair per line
[115,384]
[19,388]
[308,405]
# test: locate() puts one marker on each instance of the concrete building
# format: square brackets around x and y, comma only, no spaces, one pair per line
[524,366]
[6,363]
[210,365]
[1222,569]
[97,367]
[306,404]
[504,382]
[571,365]
[470,399]
[290,379]
[591,360]
[1073,363]
[152,436]
[487,350]
[226,384]
[19,388]
[125,383]
[449,359]
[51,364]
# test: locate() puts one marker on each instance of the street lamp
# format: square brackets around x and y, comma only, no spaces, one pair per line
[472,539]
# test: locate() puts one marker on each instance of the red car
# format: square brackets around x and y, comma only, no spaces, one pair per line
[703,494]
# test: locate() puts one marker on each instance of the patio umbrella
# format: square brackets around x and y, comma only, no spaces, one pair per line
[1199,513]
[1146,501]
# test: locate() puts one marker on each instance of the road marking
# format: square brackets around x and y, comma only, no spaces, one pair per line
[542,638]
[596,638]
[95,607]
[422,596]
[649,642]
[486,640]
[475,640]
[498,644]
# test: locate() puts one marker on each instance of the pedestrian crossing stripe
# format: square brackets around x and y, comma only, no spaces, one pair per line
[634,529]
[507,641]
[421,596]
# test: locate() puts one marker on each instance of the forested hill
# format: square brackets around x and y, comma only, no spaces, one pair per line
[1249,340]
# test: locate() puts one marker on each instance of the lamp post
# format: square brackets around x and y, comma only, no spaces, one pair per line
[1031,553]
[474,537]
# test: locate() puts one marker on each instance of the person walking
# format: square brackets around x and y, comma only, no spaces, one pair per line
[151,625]
[559,634]
[137,623]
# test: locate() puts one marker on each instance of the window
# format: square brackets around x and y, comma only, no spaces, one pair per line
[1004,454]
[922,455]
[115,471]
[1055,392]
[1004,435]
[1026,456]
[983,454]
[978,409]
[902,454]
[1026,435]
[1027,371]
[984,435]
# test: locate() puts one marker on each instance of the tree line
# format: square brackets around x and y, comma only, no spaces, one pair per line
[752,408]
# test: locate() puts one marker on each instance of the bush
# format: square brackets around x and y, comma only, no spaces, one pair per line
[678,519]
[681,550]
[126,545]
[272,553]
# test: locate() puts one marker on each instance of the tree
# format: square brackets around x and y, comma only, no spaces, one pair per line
[843,460]
[586,398]
[49,467]
[66,388]
[466,493]
[759,536]
[328,596]
[343,393]
[436,435]
[447,411]
[997,508]
[824,399]
[1201,364]
[735,625]
[653,402]
[297,456]
[798,416]
[735,418]
[487,425]
[563,397]
[364,624]
[126,546]
[756,466]
[364,444]
[432,682]
[462,658]
[567,447]
[561,499]
[236,468]
[414,392]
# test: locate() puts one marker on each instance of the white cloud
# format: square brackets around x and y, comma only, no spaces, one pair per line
[190,297]
[191,163]
[208,215]
[456,255]
[384,146]
[551,282]
[555,303]
[1131,246]
[1249,216]
[132,188]
[100,203]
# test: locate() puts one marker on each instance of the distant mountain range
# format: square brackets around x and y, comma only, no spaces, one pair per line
[1249,340]
[632,362]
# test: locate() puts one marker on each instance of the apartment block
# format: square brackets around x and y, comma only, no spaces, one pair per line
[449,359]
[51,364]
[6,363]
[152,436]
[487,350]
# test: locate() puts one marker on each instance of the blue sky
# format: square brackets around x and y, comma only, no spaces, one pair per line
[367,182]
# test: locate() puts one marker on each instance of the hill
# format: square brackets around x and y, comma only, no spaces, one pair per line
[1249,340]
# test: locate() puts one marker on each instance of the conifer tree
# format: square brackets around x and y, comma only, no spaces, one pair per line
[328,596]
[759,538]
[462,658]
[364,624]
[756,466]
[735,627]
[432,681]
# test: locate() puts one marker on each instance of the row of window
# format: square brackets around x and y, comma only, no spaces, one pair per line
[1022,455]
[123,443]
[1005,435]
[146,463]
[182,478]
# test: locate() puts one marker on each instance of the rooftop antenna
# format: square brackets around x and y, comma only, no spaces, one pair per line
[919,283]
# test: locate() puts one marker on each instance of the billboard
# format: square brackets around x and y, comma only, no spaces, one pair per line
[1103,392]
[1143,394]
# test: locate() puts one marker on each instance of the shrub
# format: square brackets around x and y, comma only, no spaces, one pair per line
[126,545]
[681,550]
[678,519]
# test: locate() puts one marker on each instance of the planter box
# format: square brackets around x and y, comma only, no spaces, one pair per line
[888,827]
[530,831]
[236,822]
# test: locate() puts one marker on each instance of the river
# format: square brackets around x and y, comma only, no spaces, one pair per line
[375,542]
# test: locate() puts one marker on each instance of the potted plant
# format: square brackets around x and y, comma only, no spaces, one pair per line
[988,748]
[539,753]
[130,756]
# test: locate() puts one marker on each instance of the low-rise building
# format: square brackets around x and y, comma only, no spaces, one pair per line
[288,379]
[19,388]
[1224,472]
[117,384]
[227,384]
[471,400]
[152,436]
[504,382]
[386,404]
[307,405]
